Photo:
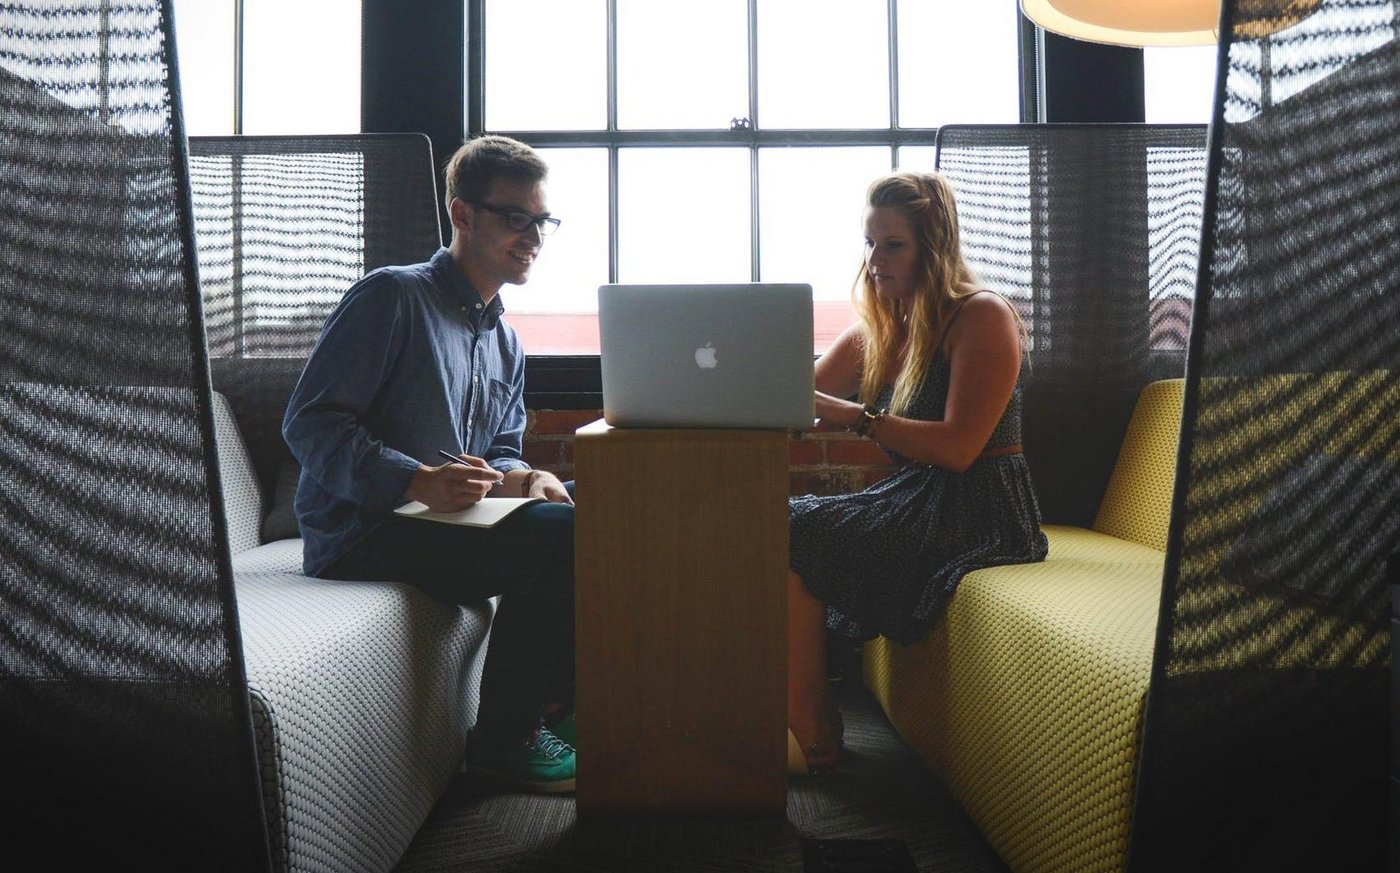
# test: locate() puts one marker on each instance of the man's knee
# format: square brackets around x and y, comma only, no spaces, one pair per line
[542,544]
[548,524]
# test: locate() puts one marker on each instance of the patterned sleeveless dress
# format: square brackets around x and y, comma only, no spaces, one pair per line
[886,560]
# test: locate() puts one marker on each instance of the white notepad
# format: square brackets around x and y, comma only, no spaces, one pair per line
[487,513]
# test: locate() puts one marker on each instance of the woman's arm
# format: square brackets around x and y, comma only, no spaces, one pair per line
[838,370]
[984,352]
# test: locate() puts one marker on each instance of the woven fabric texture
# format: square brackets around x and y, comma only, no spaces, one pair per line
[1028,698]
[127,730]
[243,498]
[284,225]
[1033,688]
[1266,723]
[1267,552]
[367,691]
[1138,503]
[1093,232]
[362,693]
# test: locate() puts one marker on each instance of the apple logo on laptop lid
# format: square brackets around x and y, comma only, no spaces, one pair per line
[705,357]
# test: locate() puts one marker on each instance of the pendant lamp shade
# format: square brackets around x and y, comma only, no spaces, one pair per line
[1162,22]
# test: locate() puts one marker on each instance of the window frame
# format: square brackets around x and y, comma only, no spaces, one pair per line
[421,66]
[574,381]
[752,137]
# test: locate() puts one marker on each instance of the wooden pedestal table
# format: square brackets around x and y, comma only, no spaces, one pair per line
[682,561]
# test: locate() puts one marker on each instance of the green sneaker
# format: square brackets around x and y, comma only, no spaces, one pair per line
[543,764]
[566,730]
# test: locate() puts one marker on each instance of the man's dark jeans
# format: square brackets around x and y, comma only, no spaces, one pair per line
[528,559]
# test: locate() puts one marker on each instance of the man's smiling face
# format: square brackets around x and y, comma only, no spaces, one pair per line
[494,254]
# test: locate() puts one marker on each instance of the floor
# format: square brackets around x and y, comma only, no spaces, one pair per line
[883,792]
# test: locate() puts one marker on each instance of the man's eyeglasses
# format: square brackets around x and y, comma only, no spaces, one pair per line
[520,221]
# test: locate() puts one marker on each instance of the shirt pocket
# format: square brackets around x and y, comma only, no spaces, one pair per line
[496,410]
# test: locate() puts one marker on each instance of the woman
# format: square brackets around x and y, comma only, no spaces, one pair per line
[935,362]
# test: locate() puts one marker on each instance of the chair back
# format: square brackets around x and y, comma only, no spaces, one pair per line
[1092,231]
[1138,503]
[284,226]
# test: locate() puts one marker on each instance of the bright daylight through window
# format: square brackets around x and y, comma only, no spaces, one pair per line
[290,84]
[1178,84]
[733,141]
[679,169]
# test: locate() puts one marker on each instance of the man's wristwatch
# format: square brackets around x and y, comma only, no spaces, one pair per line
[528,482]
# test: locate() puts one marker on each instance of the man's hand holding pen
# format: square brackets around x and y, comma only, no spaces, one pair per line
[457,484]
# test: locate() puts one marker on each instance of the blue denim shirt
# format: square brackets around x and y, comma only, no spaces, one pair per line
[410,362]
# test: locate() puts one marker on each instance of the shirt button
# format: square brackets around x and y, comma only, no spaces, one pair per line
[463,308]
[478,306]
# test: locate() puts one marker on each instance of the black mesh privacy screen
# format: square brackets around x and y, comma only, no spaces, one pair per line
[1265,744]
[1093,232]
[126,730]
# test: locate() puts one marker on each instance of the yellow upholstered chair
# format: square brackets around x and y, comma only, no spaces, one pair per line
[1027,699]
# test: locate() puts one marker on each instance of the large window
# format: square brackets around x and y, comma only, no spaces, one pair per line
[269,66]
[723,140]
[1179,84]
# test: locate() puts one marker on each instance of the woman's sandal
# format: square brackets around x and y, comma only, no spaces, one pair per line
[815,760]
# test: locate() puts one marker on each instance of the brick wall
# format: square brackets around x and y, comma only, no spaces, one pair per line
[820,461]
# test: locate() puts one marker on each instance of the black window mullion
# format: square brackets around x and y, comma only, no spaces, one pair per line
[476,67]
[237,67]
[613,162]
[612,65]
[726,138]
[612,214]
[750,135]
[753,64]
[893,24]
[755,262]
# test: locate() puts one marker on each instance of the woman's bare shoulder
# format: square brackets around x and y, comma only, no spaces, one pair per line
[986,307]
[983,315]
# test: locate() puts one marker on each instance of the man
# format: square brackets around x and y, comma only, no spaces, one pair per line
[416,360]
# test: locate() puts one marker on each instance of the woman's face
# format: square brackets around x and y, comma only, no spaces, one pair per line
[891,252]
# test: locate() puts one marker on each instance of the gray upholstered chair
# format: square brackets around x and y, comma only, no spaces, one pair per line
[362,693]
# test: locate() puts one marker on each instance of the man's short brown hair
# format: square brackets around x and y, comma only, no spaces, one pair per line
[481,161]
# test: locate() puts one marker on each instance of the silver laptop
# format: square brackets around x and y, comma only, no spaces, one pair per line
[707,355]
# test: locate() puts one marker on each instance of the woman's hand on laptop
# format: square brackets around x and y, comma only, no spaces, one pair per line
[452,486]
[837,412]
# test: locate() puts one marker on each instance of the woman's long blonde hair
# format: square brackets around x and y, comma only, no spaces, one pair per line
[942,279]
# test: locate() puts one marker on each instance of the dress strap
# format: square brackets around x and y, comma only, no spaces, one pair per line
[956,312]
